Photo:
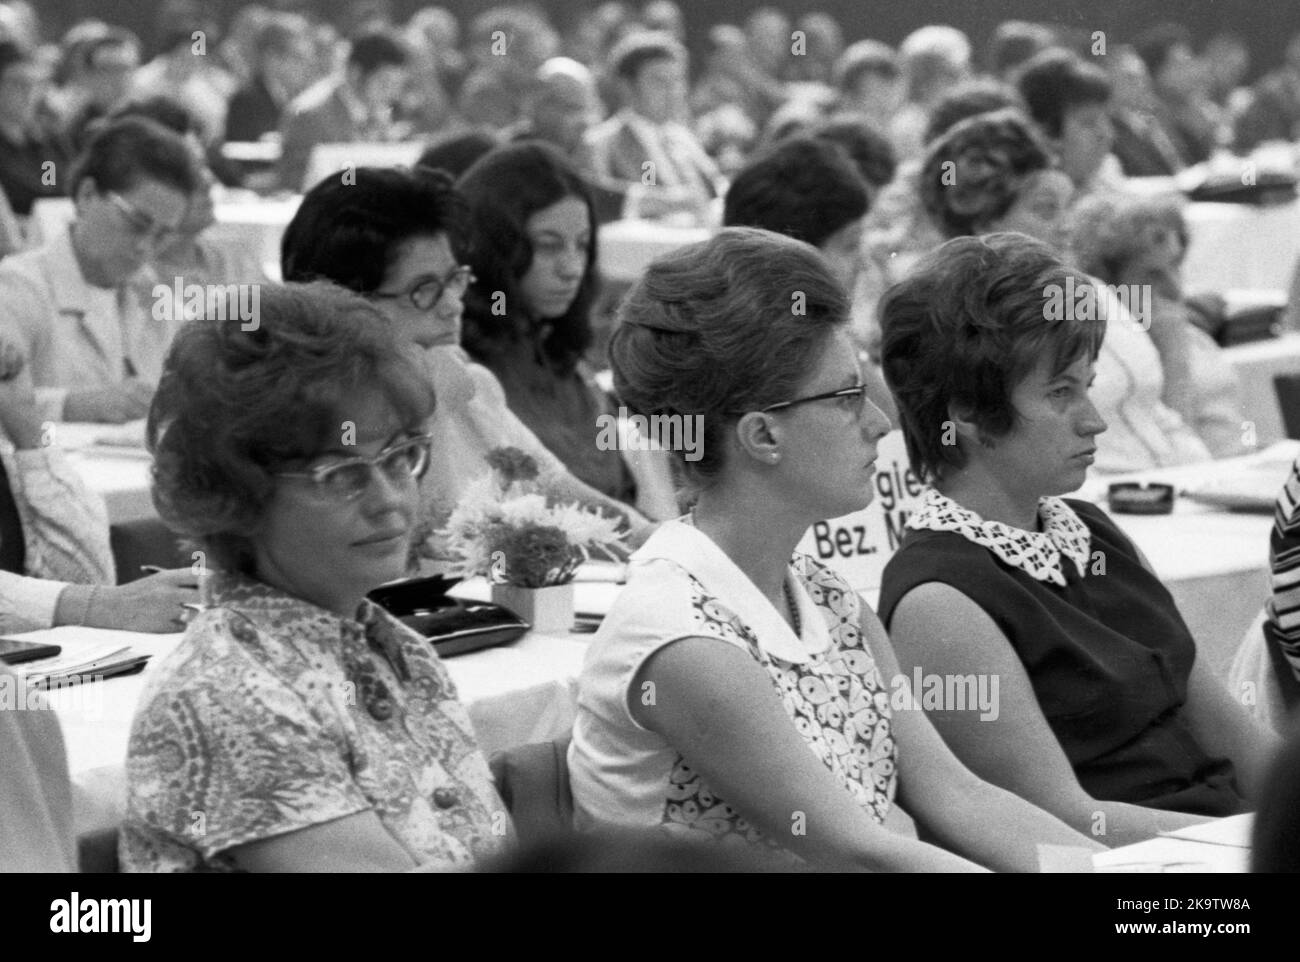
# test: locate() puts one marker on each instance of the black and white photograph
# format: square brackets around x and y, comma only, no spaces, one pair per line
[695,437]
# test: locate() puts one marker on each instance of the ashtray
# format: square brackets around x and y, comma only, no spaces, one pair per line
[1131,497]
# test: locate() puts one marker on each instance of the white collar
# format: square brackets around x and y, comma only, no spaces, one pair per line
[686,546]
[1037,553]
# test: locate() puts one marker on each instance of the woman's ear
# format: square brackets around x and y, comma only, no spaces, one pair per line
[758,436]
[961,425]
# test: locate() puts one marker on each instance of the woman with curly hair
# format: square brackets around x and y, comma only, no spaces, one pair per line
[298,727]
[1137,244]
[532,245]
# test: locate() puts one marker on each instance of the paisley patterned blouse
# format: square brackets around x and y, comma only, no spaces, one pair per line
[683,585]
[275,715]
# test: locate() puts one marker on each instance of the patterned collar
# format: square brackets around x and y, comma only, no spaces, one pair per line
[1037,553]
[287,617]
[690,549]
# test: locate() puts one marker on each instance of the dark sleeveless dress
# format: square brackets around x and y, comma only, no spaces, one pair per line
[1108,655]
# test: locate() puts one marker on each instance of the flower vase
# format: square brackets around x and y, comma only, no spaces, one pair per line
[549,610]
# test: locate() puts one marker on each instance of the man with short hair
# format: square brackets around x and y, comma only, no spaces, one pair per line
[353,107]
[282,55]
[645,147]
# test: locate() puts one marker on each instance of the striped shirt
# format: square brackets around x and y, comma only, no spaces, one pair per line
[1283,607]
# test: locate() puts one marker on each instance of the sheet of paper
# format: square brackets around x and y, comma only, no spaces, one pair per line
[1235,830]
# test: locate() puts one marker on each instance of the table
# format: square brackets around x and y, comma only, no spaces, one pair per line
[1241,246]
[627,247]
[1214,562]
[118,473]
[1256,364]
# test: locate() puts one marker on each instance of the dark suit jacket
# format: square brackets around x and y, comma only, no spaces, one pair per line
[614,153]
[251,112]
[318,115]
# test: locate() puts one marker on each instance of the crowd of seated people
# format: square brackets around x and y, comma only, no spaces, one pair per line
[913,199]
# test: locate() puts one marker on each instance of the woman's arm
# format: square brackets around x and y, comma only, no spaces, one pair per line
[354,843]
[1224,727]
[717,707]
[968,815]
[944,632]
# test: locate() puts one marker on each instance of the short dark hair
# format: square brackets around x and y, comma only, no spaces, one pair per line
[10,54]
[982,95]
[370,51]
[708,331]
[120,153]
[869,149]
[1054,82]
[804,187]
[235,406]
[504,189]
[350,233]
[163,111]
[973,174]
[964,328]
[636,50]
[456,153]
[1155,44]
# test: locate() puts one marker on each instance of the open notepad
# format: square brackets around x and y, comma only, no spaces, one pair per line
[102,661]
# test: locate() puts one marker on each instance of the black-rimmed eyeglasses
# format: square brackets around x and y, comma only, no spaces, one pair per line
[858,392]
[425,295]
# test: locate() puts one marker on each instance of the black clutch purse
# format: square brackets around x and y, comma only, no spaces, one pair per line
[453,625]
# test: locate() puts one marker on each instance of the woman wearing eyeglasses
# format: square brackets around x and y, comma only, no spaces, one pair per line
[738,691]
[391,236]
[95,351]
[298,727]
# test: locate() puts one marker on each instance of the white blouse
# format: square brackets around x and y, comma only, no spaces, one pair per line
[682,585]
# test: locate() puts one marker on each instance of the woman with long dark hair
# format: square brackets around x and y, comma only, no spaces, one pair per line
[532,245]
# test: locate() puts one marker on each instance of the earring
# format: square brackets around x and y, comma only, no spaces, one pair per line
[774,457]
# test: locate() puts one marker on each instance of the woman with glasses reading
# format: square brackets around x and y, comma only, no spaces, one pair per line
[95,350]
[298,727]
[738,691]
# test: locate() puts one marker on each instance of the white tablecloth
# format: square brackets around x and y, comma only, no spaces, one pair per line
[1256,365]
[1241,246]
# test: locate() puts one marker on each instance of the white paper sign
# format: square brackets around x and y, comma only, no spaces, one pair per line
[858,546]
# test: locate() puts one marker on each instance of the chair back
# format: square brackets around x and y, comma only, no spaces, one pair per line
[533,781]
